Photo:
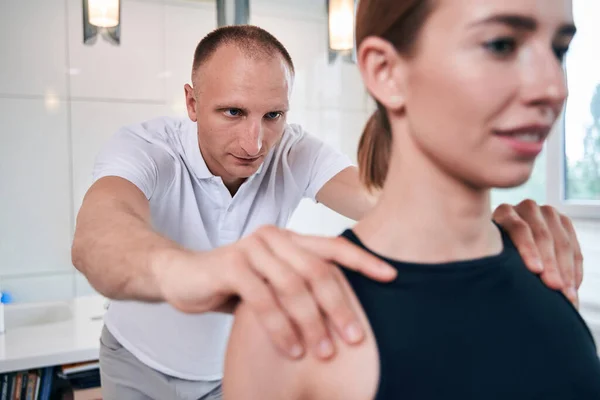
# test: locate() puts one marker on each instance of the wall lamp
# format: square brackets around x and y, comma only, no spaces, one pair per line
[104,17]
[341,15]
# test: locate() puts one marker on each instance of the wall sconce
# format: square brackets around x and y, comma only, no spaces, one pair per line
[341,15]
[104,17]
[233,12]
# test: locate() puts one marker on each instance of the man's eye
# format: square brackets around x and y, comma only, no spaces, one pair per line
[233,112]
[273,115]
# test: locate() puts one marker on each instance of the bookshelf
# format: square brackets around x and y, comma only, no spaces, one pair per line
[59,349]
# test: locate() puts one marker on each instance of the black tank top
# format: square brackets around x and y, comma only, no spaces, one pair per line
[482,329]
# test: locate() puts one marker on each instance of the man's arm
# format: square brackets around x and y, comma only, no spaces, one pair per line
[345,195]
[114,245]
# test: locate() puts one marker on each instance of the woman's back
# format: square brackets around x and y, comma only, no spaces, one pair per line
[481,329]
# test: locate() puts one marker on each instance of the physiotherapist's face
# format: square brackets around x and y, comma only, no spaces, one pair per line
[240,104]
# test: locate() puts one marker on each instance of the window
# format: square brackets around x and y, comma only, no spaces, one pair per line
[573,161]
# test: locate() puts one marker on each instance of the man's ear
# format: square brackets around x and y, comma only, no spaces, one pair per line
[382,71]
[190,102]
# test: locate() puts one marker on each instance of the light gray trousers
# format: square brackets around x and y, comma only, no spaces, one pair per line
[124,377]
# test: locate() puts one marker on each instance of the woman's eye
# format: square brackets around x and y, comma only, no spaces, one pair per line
[503,46]
[273,115]
[233,112]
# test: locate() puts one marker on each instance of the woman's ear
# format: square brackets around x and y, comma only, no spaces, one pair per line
[382,71]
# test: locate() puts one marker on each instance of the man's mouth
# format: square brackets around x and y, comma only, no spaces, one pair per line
[247,159]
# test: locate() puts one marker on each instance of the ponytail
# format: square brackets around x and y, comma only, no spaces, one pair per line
[374,150]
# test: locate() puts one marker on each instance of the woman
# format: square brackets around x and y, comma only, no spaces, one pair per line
[467,92]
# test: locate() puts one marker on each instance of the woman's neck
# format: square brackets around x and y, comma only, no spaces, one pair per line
[426,215]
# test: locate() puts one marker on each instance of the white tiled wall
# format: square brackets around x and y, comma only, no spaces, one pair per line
[60,100]
[35,216]
[33,47]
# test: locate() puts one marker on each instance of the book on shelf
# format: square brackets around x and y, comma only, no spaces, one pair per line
[74,368]
[35,384]
[81,376]
[76,381]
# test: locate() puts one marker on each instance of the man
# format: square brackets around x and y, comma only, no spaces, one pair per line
[185,218]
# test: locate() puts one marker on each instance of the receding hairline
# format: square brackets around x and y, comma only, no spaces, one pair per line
[250,53]
[252,41]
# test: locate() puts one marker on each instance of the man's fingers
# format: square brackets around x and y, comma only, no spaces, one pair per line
[564,251]
[345,319]
[325,286]
[291,289]
[577,255]
[341,251]
[521,235]
[530,212]
[253,290]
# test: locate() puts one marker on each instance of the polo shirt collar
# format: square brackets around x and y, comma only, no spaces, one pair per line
[192,151]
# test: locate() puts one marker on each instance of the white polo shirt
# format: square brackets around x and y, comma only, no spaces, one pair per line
[193,207]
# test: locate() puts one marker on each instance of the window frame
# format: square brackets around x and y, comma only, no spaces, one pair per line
[556,166]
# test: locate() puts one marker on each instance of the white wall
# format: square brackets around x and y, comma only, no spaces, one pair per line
[60,100]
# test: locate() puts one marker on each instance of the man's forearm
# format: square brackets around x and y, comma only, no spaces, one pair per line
[345,195]
[118,253]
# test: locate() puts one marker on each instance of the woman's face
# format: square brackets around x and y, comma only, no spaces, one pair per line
[486,84]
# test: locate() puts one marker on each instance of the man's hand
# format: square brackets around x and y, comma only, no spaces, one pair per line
[547,242]
[289,280]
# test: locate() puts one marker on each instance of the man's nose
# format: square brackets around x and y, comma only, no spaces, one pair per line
[251,140]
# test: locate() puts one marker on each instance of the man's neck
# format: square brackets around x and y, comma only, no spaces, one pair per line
[234,185]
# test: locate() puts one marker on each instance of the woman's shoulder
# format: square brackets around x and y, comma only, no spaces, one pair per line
[254,369]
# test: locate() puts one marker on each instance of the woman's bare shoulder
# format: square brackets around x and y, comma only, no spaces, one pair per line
[254,369]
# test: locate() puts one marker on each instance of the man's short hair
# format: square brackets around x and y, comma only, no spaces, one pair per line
[252,40]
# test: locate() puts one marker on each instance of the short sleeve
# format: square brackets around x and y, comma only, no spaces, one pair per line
[130,156]
[314,163]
